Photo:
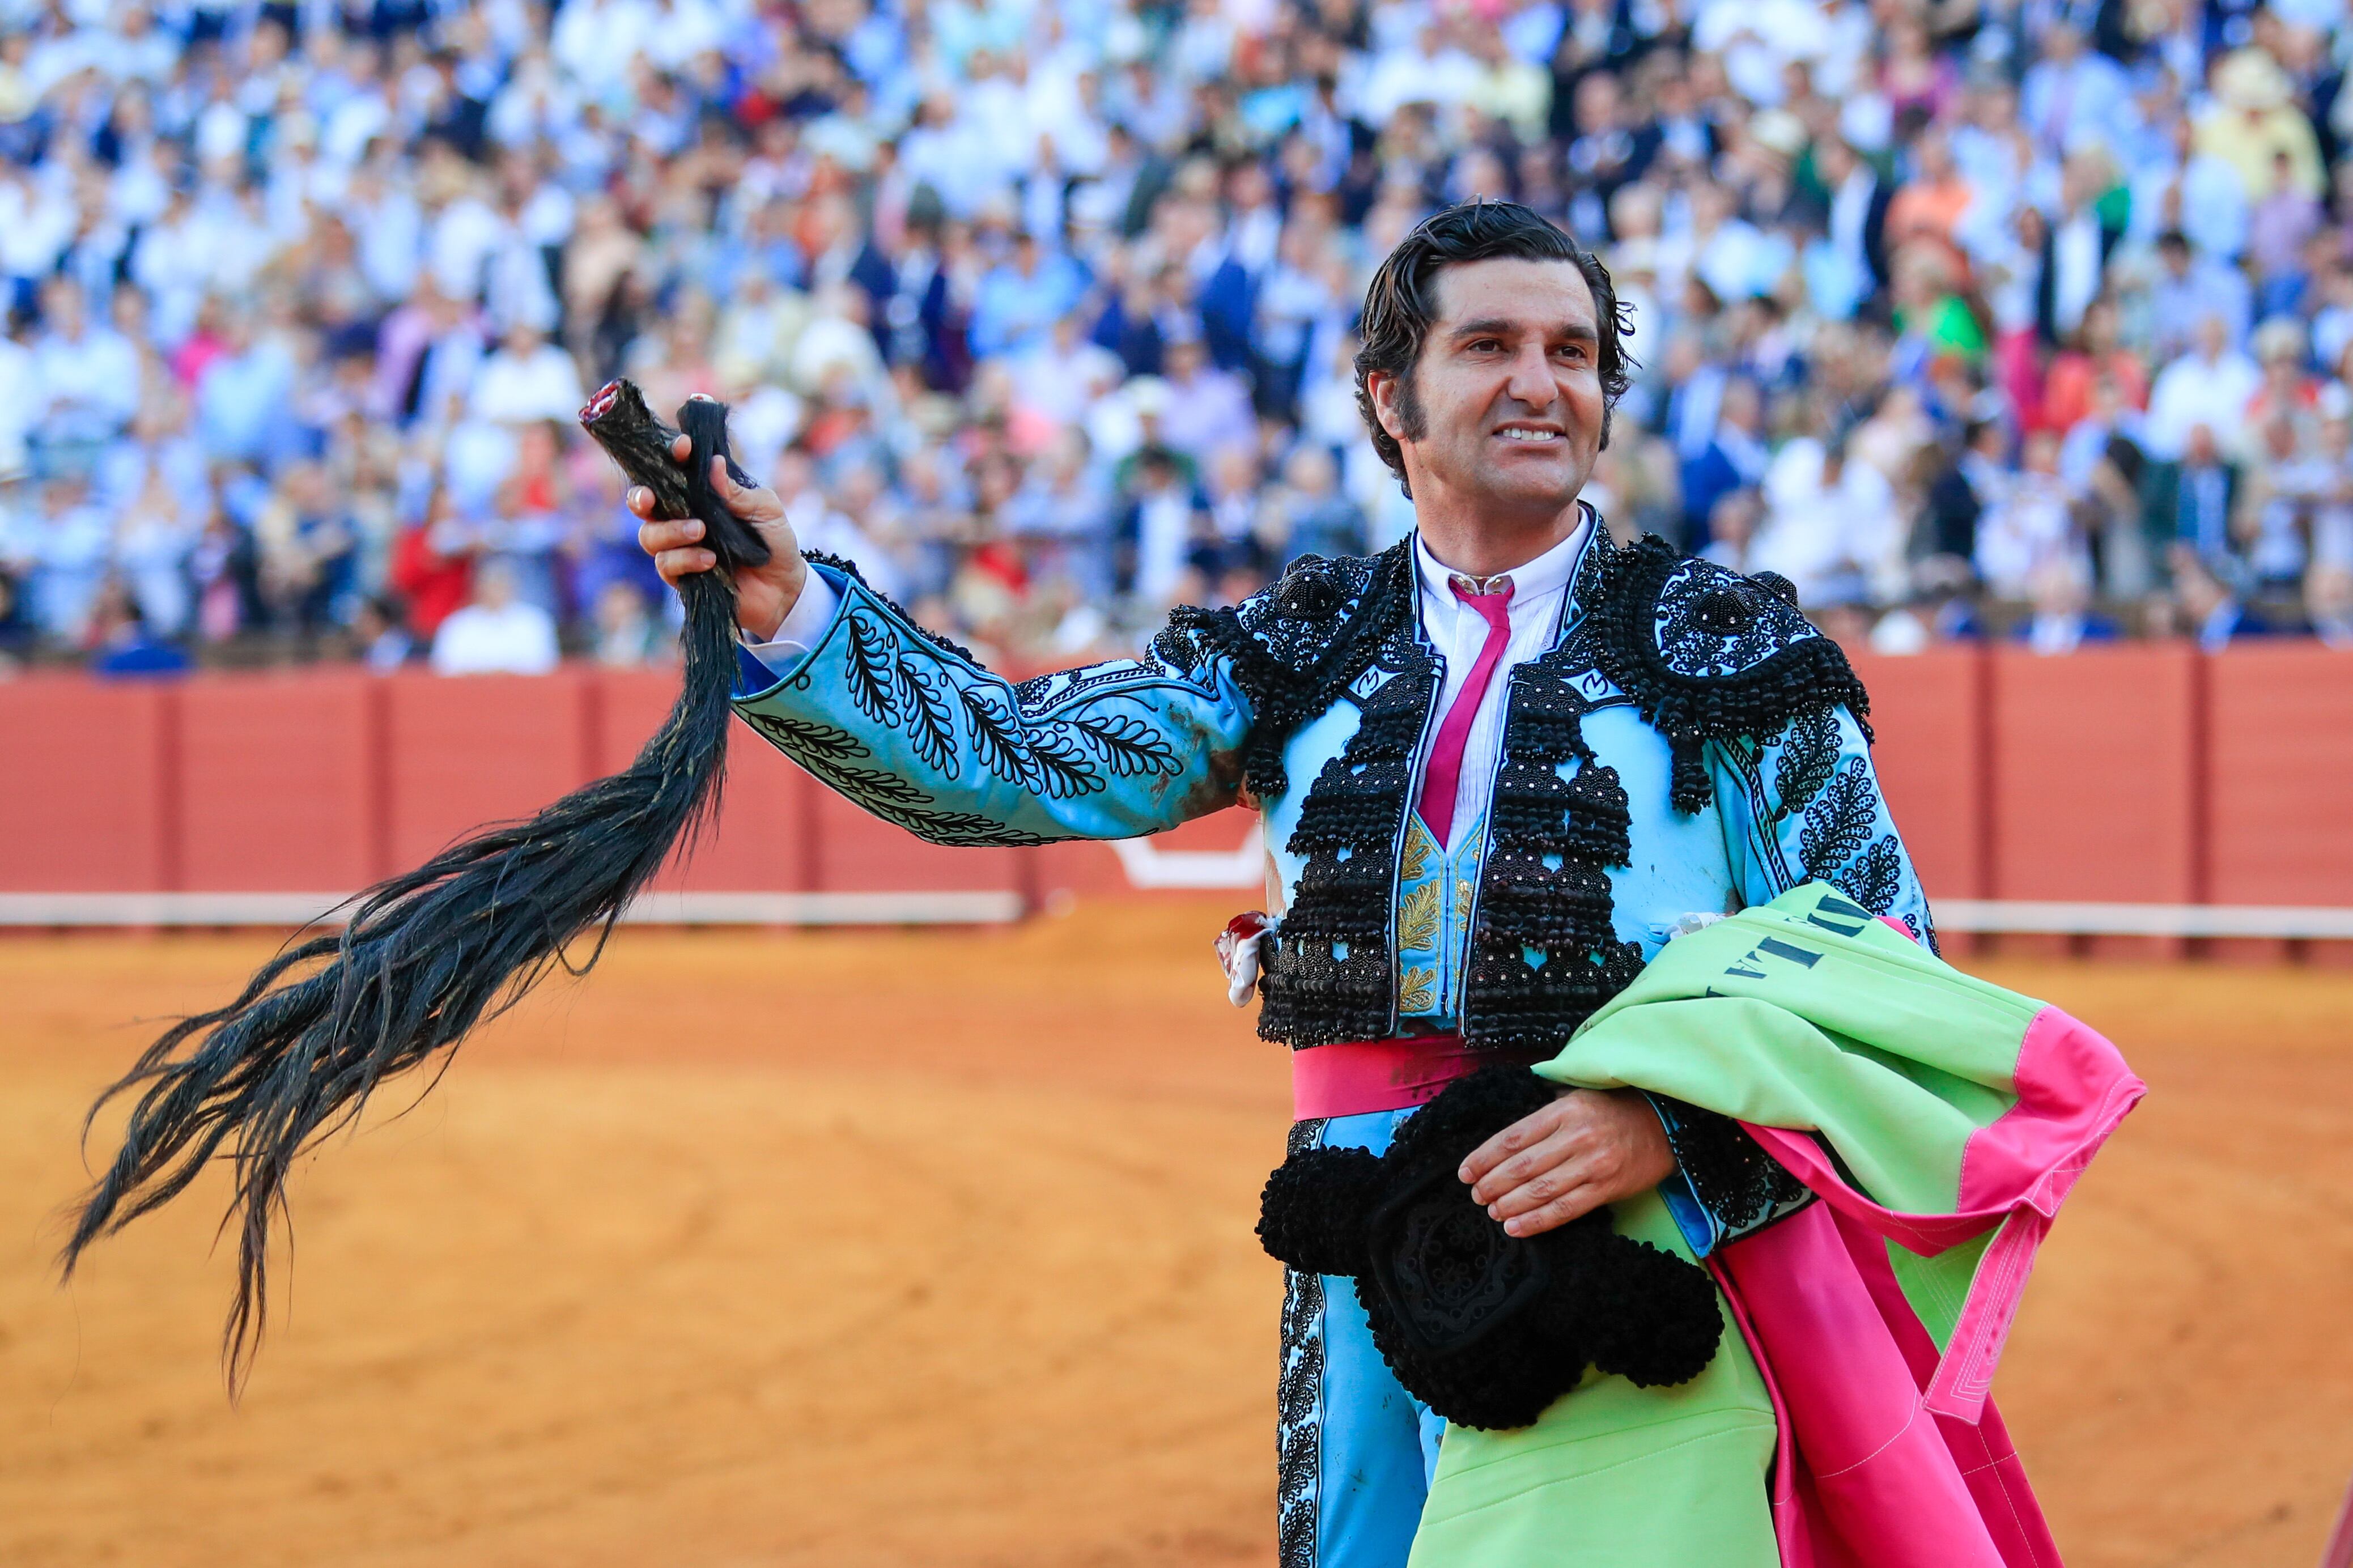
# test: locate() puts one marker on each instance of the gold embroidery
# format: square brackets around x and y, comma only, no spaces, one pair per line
[1463,899]
[1418,990]
[1418,848]
[1417,919]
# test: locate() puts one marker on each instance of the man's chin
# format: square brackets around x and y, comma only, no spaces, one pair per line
[1527,488]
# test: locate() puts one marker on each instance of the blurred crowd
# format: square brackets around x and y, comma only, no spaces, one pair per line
[2019,318]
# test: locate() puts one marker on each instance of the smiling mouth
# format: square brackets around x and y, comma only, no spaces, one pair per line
[1528,435]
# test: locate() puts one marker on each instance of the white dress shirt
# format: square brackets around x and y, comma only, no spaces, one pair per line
[1539,590]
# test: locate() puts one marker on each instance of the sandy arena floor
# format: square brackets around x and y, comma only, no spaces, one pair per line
[935,1249]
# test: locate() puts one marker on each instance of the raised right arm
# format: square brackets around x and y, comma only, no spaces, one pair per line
[915,730]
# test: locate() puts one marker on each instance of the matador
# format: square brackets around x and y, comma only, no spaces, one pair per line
[1529,792]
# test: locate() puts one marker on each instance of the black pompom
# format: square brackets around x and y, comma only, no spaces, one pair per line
[1307,594]
[1723,615]
[1650,1317]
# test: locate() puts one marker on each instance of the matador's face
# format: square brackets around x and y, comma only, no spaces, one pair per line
[1505,408]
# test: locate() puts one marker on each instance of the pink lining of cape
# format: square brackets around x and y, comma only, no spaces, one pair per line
[1890,1454]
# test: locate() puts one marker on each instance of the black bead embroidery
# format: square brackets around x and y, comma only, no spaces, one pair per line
[1729,1172]
[1299,1399]
[1544,890]
[1295,646]
[1707,655]
[1332,975]
[1704,654]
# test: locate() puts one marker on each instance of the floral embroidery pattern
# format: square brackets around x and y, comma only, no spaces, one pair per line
[1874,879]
[1808,756]
[899,680]
[1419,849]
[1418,920]
[827,752]
[1839,823]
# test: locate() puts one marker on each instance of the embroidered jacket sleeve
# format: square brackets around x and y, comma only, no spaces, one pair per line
[915,730]
[1801,806]
[1767,725]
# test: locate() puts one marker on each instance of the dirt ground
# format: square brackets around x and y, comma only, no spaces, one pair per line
[911,1248]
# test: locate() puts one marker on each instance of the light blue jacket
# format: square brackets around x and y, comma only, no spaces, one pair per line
[1729,724]
[919,734]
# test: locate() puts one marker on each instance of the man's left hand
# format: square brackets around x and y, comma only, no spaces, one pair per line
[1587,1147]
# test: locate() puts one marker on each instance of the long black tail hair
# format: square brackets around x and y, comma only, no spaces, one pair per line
[428,954]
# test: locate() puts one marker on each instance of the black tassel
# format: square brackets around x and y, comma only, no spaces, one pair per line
[430,953]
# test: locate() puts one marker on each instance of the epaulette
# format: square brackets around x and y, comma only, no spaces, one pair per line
[1296,645]
[1709,655]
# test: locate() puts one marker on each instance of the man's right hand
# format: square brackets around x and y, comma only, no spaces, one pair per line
[764,595]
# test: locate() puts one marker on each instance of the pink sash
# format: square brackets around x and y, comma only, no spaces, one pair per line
[1355,1077]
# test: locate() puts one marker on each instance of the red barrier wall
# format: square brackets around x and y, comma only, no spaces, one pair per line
[2146,774]
[282,783]
[1929,716]
[82,787]
[2279,775]
[458,753]
[2096,775]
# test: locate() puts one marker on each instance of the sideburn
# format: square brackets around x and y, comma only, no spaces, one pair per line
[1409,411]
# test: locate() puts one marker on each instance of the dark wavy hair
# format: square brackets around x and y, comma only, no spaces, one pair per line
[1401,304]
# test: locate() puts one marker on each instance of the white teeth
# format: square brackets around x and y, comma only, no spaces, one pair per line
[1510,434]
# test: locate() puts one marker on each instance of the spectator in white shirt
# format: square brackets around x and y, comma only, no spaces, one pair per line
[1208,410]
[1433,71]
[1833,528]
[1062,377]
[89,374]
[498,633]
[68,542]
[2193,192]
[2210,386]
[527,379]
[2031,527]
[2187,289]
[244,394]
[2075,96]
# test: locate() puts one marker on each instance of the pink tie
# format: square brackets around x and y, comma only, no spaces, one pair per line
[1445,772]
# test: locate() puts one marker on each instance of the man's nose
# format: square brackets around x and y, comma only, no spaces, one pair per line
[1531,380]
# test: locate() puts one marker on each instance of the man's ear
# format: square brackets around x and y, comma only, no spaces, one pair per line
[1382,386]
